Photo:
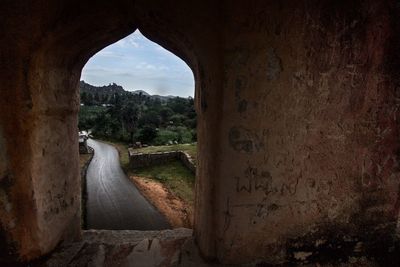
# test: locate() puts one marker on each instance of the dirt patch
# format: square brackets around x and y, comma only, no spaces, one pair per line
[177,212]
[84,159]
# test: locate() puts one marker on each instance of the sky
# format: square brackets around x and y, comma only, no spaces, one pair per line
[137,63]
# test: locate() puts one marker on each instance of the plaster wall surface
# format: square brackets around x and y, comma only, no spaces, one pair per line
[309,143]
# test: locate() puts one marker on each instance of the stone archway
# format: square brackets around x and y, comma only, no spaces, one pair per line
[298,121]
[42,183]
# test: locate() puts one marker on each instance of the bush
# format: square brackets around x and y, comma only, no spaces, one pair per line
[184,135]
[177,119]
[147,134]
[88,115]
[164,136]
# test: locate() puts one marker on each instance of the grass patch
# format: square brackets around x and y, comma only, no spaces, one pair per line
[191,149]
[174,176]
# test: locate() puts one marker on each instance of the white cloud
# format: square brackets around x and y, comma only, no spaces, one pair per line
[133,40]
[146,66]
[111,54]
[125,43]
[133,43]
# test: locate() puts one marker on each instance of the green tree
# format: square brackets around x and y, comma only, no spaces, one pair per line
[147,134]
[150,117]
[165,113]
[84,98]
[130,117]
[97,98]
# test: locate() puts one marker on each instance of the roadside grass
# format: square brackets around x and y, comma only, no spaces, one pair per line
[174,176]
[191,149]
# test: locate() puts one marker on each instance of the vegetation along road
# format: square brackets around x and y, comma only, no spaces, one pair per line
[113,201]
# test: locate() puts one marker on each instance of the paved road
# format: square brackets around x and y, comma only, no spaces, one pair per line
[113,201]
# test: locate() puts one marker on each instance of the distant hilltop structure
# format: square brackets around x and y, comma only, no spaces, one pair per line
[112,88]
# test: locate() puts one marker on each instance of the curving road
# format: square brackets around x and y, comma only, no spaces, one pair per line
[113,201]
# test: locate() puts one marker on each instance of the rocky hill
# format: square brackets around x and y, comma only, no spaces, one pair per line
[110,89]
[113,88]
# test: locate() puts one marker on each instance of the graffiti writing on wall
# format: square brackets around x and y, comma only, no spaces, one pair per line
[246,141]
[255,180]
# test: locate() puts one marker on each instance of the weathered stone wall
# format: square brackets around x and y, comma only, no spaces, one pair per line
[310,135]
[140,160]
[44,47]
[187,161]
[83,148]
[297,120]
[40,67]
[83,173]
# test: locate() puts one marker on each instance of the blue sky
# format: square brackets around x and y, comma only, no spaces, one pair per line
[137,63]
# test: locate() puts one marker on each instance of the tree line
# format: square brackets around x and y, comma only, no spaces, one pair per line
[137,117]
